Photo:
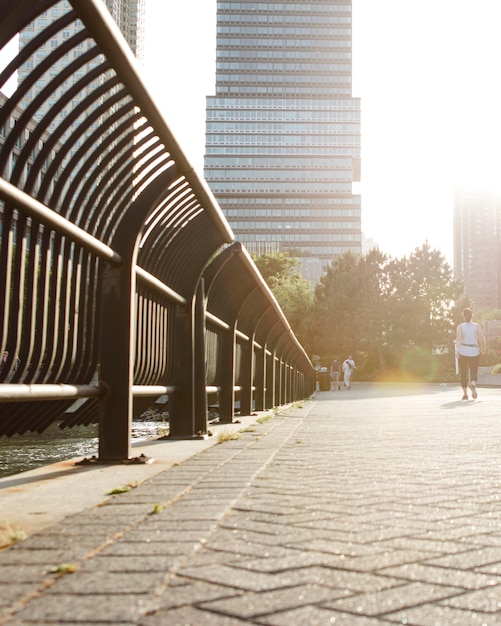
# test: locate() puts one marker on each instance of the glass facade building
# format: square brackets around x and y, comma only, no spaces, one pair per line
[477,245]
[283,130]
[130,17]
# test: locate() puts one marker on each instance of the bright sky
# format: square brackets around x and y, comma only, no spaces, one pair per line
[428,76]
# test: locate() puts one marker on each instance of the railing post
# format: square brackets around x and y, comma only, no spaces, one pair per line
[246,375]
[188,407]
[227,394]
[200,374]
[118,323]
[260,380]
[117,362]
[271,380]
[181,411]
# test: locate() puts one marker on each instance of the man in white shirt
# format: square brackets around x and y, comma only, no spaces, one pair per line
[348,367]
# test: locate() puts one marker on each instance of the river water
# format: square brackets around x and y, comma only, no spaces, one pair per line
[31,450]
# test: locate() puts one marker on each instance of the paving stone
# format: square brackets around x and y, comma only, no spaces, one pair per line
[443,576]
[82,608]
[253,605]
[20,573]
[354,582]
[82,542]
[148,549]
[343,549]
[295,559]
[431,615]
[140,563]
[468,559]
[105,582]
[389,600]
[486,600]
[13,592]
[380,560]
[180,592]
[424,545]
[236,578]
[189,616]
[44,558]
[318,616]
[494,569]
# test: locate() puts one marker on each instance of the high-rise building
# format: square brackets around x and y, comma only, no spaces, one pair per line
[130,17]
[477,245]
[283,130]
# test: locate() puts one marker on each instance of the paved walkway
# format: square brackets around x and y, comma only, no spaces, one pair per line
[378,505]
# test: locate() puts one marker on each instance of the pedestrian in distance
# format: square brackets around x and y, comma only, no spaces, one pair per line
[335,372]
[4,365]
[470,343]
[3,361]
[348,367]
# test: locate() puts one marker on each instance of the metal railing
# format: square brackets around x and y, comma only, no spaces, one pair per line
[120,280]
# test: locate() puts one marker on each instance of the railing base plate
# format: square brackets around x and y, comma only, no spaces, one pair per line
[137,460]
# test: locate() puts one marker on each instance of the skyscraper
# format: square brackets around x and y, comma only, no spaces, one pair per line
[129,15]
[283,130]
[477,245]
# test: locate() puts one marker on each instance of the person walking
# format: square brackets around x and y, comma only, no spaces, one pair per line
[3,361]
[335,371]
[348,367]
[470,343]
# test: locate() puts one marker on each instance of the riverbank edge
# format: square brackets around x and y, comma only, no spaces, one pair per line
[32,500]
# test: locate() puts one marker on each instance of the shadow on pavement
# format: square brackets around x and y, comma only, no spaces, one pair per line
[382,390]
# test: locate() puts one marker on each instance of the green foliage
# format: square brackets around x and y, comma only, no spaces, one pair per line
[293,293]
[423,297]
[419,363]
[392,314]
[397,317]
[123,488]
[9,534]
[349,311]
[225,435]
[276,265]
[487,314]
[157,508]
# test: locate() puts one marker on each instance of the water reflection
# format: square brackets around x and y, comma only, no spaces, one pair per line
[31,450]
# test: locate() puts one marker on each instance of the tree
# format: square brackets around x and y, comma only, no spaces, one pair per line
[393,313]
[349,309]
[293,293]
[423,311]
[276,265]
[424,291]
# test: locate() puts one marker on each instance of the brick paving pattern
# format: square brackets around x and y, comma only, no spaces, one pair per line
[378,505]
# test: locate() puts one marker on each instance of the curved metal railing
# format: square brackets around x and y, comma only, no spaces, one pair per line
[107,290]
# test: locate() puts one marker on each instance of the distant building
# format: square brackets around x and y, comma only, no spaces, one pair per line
[492,331]
[283,130]
[12,157]
[368,244]
[80,63]
[130,17]
[477,245]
